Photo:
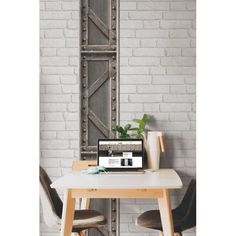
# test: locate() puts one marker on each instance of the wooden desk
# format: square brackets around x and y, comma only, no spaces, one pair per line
[149,185]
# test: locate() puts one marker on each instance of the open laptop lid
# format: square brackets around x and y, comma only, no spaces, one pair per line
[120,154]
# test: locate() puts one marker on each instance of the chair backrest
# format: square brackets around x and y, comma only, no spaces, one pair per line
[51,202]
[187,207]
[80,165]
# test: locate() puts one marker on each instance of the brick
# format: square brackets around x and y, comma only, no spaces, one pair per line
[173,43]
[52,43]
[73,24]
[124,61]
[57,153]
[178,33]
[127,6]
[68,79]
[53,33]
[75,98]
[55,125]
[52,24]
[70,88]
[144,61]
[74,61]
[58,15]
[145,15]
[125,52]
[71,33]
[175,24]
[127,89]
[124,15]
[143,98]
[53,116]
[183,15]
[178,6]
[72,43]
[55,6]
[131,24]
[130,107]
[189,52]
[148,43]
[72,107]
[129,33]
[151,107]
[153,6]
[157,70]
[124,98]
[71,116]
[49,162]
[148,52]
[177,61]
[55,98]
[56,172]
[54,61]
[50,107]
[191,88]
[179,98]
[190,80]
[52,144]
[180,70]
[48,135]
[135,79]
[68,134]
[74,144]
[173,51]
[151,24]
[73,5]
[178,89]
[134,70]
[53,88]
[178,116]
[191,5]
[68,52]
[175,107]
[129,42]
[66,70]
[72,125]
[153,89]
[192,33]
[151,33]
[48,52]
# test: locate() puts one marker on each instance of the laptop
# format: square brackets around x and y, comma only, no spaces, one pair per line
[121,155]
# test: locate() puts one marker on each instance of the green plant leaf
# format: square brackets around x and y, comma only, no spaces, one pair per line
[127,127]
[145,118]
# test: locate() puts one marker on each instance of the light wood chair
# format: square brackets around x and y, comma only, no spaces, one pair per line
[78,165]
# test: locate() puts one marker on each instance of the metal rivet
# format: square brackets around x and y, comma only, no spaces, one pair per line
[113,27]
[84,29]
[113,17]
[84,47]
[84,130]
[84,121]
[113,118]
[113,57]
[84,58]
[113,108]
[113,98]
[113,88]
[113,8]
[84,85]
[113,77]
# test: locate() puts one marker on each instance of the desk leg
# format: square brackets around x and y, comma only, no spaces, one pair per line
[166,213]
[67,213]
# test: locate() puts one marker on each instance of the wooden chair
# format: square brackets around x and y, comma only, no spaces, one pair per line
[78,165]
[184,216]
[52,210]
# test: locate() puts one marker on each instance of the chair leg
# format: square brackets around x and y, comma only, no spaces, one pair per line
[75,234]
[178,234]
[161,233]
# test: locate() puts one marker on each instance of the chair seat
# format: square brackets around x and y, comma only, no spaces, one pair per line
[152,219]
[87,219]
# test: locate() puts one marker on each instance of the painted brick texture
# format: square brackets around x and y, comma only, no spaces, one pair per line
[157,76]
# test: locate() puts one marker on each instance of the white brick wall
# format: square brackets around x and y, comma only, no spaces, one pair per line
[157,77]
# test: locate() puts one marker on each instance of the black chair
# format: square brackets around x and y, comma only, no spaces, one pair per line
[52,209]
[184,216]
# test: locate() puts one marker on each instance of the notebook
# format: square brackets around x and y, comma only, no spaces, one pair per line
[121,155]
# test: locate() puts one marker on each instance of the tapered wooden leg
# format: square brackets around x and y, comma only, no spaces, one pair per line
[67,214]
[161,233]
[166,213]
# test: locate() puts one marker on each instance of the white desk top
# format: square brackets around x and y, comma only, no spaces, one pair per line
[163,178]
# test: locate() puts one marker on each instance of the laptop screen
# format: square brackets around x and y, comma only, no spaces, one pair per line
[121,154]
